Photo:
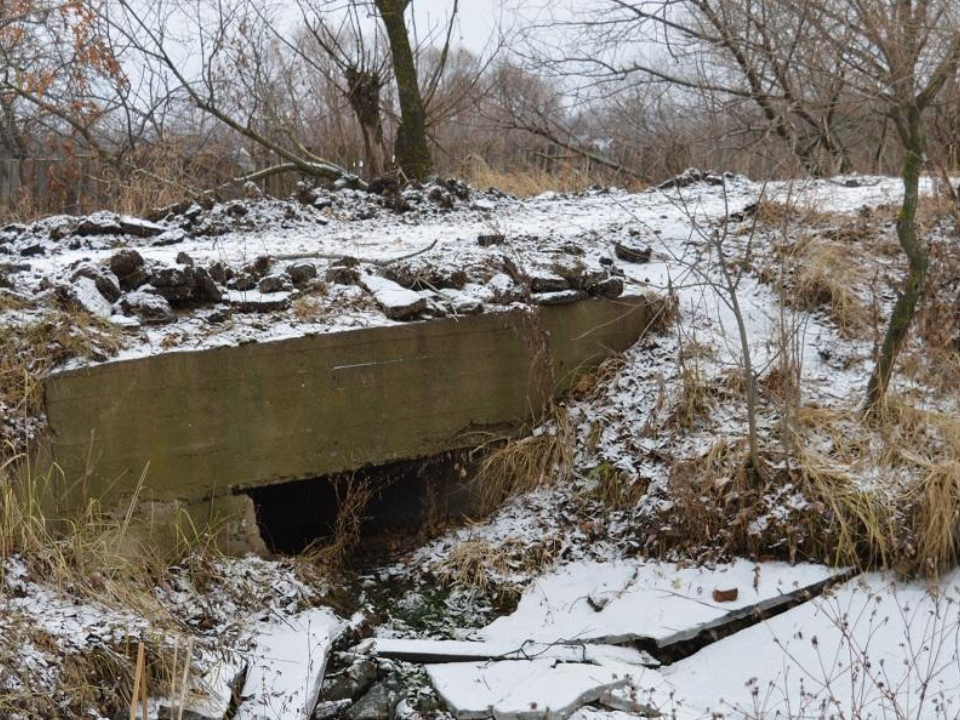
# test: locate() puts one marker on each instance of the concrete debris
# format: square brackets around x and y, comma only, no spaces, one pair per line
[630,597]
[451,651]
[531,689]
[209,699]
[82,294]
[148,306]
[352,681]
[632,253]
[397,302]
[254,301]
[378,704]
[286,666]
[563,297]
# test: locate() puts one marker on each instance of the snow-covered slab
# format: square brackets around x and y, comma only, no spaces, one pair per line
[871,648]
[532,689]
[396,301]
[618,602]
[286,666]
[451,651]
[209,699]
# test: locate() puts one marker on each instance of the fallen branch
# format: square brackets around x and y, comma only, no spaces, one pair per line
[379,262]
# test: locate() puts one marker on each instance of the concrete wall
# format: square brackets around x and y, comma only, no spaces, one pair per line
[213,421]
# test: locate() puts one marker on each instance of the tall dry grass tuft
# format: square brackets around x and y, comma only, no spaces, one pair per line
[828,274]
[353,496]
[524,464]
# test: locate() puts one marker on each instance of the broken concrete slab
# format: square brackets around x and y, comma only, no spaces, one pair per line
[531,689]
[254,301]
[82,294]
[631,252]
[211,698]
[285,669]
[662,603]
[397,302]
[451,651]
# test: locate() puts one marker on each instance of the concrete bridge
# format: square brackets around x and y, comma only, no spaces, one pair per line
[207,424]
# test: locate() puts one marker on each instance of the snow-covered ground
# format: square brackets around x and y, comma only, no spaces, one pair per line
[867,648]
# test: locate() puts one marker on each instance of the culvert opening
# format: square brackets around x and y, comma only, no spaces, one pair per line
[405,497]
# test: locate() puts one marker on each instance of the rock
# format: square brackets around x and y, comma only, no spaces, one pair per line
[33,250]
[441,197]
[572,248]
[128,266]
[82,294]
[184,259]
[330,709]
[425,275]
[152,309]
[185,285]
[273,284]
[378,704]
[105,223]
[139,227]
[491,239]
[563,297]
[205,289]
[344,271]
[105,280]
[548,283]
[351,682]
[174,236]
[243,281]
[611,287]
[483,204]
[220,273]
[301,273]
[173,283]
[259,267]
[461,303]
[691,176]
[397,302]
[632,253]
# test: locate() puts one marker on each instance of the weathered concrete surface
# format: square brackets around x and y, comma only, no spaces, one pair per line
[212,421]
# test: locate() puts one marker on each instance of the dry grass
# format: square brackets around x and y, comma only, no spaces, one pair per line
[527,463]
[829,274]
[876,492]
[84,556]
[526,182]
[353,496]
[28,352]
[489,567]
[615,490]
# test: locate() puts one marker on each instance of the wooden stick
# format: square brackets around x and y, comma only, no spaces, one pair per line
[143,698]
[134,696]
[186,677]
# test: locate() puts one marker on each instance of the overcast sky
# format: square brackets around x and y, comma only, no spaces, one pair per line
[477,19]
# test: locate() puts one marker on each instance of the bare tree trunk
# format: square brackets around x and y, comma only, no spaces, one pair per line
[363,93]
[903,310]
[411,150]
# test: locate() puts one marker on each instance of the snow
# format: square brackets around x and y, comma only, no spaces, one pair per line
[873,648]
[530,690]
[285,669]
[622,601]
